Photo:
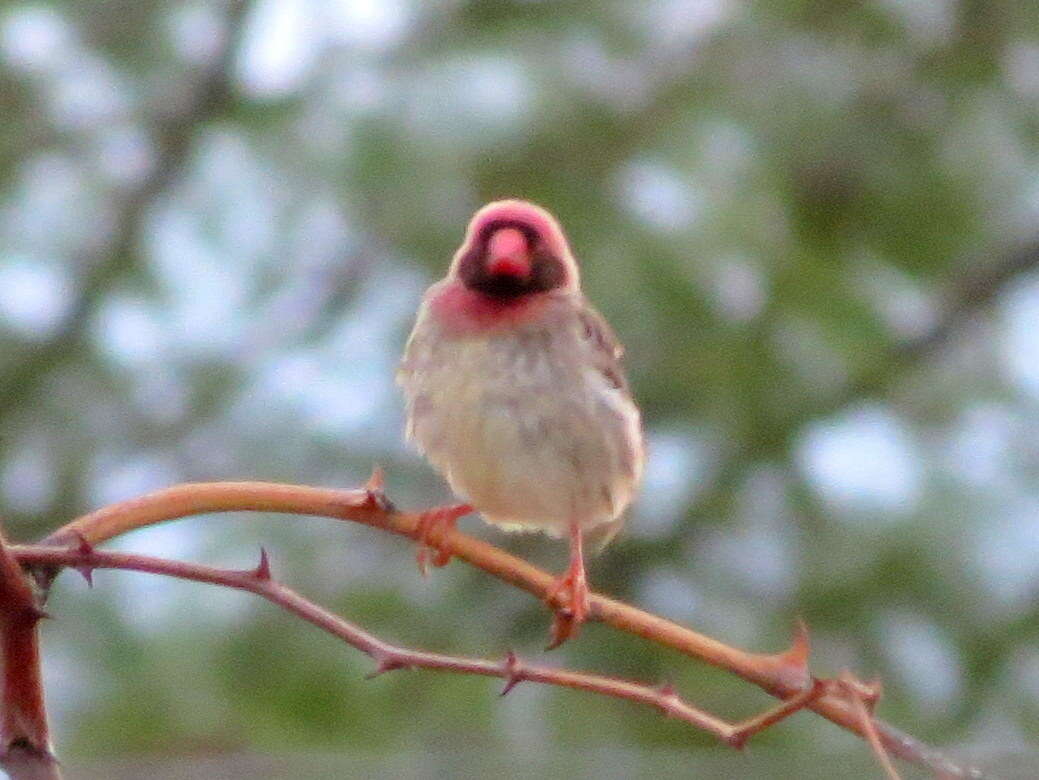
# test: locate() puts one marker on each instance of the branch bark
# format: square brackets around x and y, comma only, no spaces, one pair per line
[25,751]
[783,675]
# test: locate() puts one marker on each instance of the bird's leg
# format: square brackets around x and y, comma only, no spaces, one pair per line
[572,614]
[432,524]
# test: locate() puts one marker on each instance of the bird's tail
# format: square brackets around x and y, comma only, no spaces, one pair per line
[601,535]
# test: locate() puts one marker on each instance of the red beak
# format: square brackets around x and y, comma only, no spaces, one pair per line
[508,254]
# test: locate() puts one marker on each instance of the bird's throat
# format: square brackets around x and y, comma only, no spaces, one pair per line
[461,309]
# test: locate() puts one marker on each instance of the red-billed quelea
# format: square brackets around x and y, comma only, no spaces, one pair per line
[516,395]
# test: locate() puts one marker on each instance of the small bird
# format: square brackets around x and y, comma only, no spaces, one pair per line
[515,393]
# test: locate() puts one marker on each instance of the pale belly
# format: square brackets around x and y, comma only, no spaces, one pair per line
[531,443]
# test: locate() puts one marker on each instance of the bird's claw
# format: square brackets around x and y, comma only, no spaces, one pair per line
[574,610]
[432,524]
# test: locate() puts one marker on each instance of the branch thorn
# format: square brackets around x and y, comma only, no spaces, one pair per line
[87,572]
[375,492]
[793,661]
[871,693]
[668,698]
[513,674]
[384,665]
[35,614]
[83,546]
[262,571]
[86,549]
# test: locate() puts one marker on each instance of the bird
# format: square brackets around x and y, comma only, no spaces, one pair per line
[515,394]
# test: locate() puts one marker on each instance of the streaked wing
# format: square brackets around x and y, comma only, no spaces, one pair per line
[606,350]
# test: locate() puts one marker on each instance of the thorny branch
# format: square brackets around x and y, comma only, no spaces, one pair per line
[389,657]
[784,675]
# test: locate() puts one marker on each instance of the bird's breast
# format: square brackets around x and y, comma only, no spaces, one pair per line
[522,426]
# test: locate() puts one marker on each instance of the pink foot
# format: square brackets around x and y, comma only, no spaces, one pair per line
[574,611]
[432,525]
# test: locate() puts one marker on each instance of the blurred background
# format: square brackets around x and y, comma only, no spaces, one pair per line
[814,225]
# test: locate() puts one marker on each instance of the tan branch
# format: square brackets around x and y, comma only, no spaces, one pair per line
[784,675]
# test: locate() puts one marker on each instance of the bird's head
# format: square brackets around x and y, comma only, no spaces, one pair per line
[513,248]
